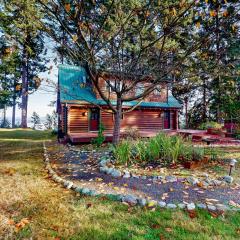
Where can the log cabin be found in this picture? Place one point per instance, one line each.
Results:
(81, 109)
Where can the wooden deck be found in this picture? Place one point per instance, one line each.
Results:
(195, 135)
(89, 136)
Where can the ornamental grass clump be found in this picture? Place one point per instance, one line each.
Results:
(160, 149)
(123, 152)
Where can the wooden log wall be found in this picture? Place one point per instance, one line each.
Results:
(144, 120)
(77, 120)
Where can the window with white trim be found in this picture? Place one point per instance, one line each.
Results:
(139, 89)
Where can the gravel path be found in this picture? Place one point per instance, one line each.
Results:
(82, 168)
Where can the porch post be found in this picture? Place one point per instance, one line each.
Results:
(176, 116)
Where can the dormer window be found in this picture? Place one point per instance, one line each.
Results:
(139, 89)
(157, 91)
(107, 85)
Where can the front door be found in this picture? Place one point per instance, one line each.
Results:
(94, 119)
(166, 119)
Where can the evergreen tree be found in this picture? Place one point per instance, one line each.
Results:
(20, 22)
(48, 122)
(35, 119)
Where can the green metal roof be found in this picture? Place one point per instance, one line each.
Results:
(74, 90)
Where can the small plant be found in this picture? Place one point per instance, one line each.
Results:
(131, 133)
(197, 153)
(122, 152)
(142, 151)
(99, 140)
(211, 124)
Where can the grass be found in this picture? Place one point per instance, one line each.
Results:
(56, 213)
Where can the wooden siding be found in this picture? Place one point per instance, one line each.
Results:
(77, 120)
(141, 119)
(107, 120)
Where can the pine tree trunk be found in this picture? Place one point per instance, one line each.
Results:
(14, 113)
(204, 101)
(117, 122)
(24, 89)
(4, 116)
(14, 106)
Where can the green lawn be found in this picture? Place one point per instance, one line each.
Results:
(52, 212)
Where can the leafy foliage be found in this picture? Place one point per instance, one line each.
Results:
(160, 149)
(99, 140)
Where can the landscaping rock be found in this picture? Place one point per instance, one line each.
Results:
(211, 207)
(217, 182)
(103, 169)
(190, 206)
(162, 204)
(126, 174)
(130, 199)
(116, 173)
(201, 206)
(171, 206)
(109, 170)
(92, 193)
(155, 178)
(192, 180)
(228, 179)
(135, 176)
(70, 184)
(181, 205)
(103, 163)
(85, 191)
(171, 179)
(205, 184)
(205, 175)
(142, 201)
(222, 207)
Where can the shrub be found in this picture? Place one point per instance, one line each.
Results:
(211, 124)
(99, 140)
(131, 133)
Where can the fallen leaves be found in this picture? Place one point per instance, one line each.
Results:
(192, 213)
(20, 225)
(10, 171)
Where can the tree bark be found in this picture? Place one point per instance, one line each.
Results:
(204, 101)
(24, 89)
(117, 122)
(14, 113)
(14, 106)
(4, 116)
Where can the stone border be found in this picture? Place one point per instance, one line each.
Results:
(191, 180)
(129, 199)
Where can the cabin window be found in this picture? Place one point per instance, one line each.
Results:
(107, 87)
(157, 91)
(139, 89)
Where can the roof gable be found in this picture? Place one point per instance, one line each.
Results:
(75, 88)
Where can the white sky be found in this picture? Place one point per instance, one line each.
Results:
(39, 101)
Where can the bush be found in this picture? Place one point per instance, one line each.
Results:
(131, 133)
(211, 124)
(99, 140)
